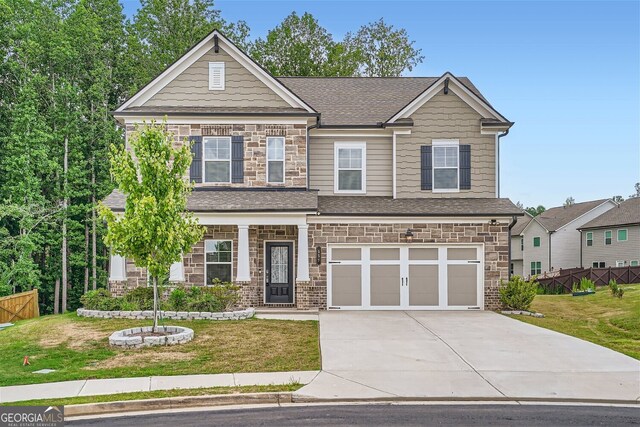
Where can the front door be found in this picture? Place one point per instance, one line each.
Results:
(279, 272)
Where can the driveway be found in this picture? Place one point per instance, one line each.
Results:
(464, 355)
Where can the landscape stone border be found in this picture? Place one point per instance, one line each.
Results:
(171, 315)
(124, 338)
(523, 313)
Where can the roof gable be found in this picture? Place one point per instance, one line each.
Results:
(556, 218)
(248, 74)
(521, 223)
(625, 213)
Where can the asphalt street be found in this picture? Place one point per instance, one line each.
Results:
(386, 415)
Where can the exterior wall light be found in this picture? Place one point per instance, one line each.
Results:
(408, 235)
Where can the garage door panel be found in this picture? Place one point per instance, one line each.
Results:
(346, 285)
(385, 285)
(462, 285)
(423, 285)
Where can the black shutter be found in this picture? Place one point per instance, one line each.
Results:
(195, 172)
(237, 159)
(426, 181)
(465, 167)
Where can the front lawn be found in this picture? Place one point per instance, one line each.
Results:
(599, 318)
(78, 348)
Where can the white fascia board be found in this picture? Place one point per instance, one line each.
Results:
(252, 218)
(337, 219)
(203, 120)
(591, 210)
(484, 109)
(196, 53)
(531, 222)
(352, 133)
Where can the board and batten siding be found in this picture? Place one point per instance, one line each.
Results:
(378, 164)
(616, 251)
(532, 253)
(446, 117)
(565, 242)
(191, 87)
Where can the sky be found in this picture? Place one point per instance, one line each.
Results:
(567, 73)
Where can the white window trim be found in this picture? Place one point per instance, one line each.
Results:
(283, 160)
(604, 237)
(444, 143)
(204, 160)
(618, 235)
(587, 239)
(206, 264)
(619, 263)
(336, 147)
(535, 268)
(221, 66)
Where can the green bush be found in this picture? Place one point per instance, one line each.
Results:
(616, 290)
(140, 298)
(100, 299)
(219, 297)
(584, 285)
(517, 293)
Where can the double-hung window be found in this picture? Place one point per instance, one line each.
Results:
(218, 260)
(446, 165)
(589, 238)
(350, 167)
(622, 235)
(608, 237)
(217, 159)
(522, 243)
(536, 242)
(536, 267)
(275, 160)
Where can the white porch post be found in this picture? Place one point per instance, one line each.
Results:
(243, 274)
(303, 253)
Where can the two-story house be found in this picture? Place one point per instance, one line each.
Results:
(350, 193)
(613, 238)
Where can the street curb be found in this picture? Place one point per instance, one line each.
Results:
(175, 403)
(89, 409)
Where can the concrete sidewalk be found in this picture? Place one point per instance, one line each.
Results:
(129, 385)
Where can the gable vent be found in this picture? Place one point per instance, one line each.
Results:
(216, 75)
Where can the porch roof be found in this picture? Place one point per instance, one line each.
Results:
(238, 200)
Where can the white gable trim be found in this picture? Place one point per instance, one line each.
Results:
(608, 201)
(531, 222)
(144, 94)
(455, 86)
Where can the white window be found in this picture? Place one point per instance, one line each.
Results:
(446, 177)
(621, 263)
(622, 235)
(275, 159)
(216, 75)
(634, 263)
(607, 237)
(350, 167)
(217, 159)
(598, 264)
(218, 260)
(589, 238)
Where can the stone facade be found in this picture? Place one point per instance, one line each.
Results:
(255, 150)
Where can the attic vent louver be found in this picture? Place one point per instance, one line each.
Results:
(216, 75)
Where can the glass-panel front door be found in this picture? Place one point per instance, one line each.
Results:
(279, 272)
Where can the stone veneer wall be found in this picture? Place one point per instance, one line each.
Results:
(255, 150)
(494, 237)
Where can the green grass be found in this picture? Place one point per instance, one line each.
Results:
(78, 348)
(157, 394)
(599, 318)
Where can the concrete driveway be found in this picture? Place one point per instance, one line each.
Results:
(464, 355)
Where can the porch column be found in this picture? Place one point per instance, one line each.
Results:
(243, 274)
(303, 253)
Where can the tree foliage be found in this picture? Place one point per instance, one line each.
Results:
(535, 211)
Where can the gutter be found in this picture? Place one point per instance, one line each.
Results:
(514, 220)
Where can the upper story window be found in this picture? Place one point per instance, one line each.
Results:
(607, 237)
(522, 243)
(350, 167)
(622, 235)
(217, 159)
(216, 75)
(446, 165)
(275, 160)
(589, 238)
(536, 242)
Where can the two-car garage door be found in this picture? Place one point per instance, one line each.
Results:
(405, 277)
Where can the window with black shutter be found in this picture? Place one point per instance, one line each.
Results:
(195, 172)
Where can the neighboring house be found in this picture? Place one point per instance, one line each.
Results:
(613, 238)
(551, 240)
(517, 246)
(351, 193)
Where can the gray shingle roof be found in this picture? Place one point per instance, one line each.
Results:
(554, 218)
(626, 213)
(361, 100)
(523, 221)
(224, 200)
(387, 206)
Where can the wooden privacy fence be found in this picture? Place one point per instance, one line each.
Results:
(19, 306)
(600, 276)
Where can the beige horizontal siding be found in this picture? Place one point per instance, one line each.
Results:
(379, 164)
(628, 250)
(446, 117)
(191, 88)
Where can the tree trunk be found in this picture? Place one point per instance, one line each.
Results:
(65, 202)
(86, 257)
(154, 280)
(56, 298)
(94, 246)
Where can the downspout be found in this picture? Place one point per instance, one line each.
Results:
(514, 219)
(307, 142)
(500, 135)
(550, 233)
(581, 264)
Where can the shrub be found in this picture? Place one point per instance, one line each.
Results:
(219, 297)
(100, 299)
(584, 285)
(517, 293)
(177, 300)
(616, 290)
(141, 298)
(128, 305)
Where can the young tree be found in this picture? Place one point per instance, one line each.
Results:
(535, 211)
(570, 201)
(155, 229)
(617, 199)
(383, 51)
(637, 191)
